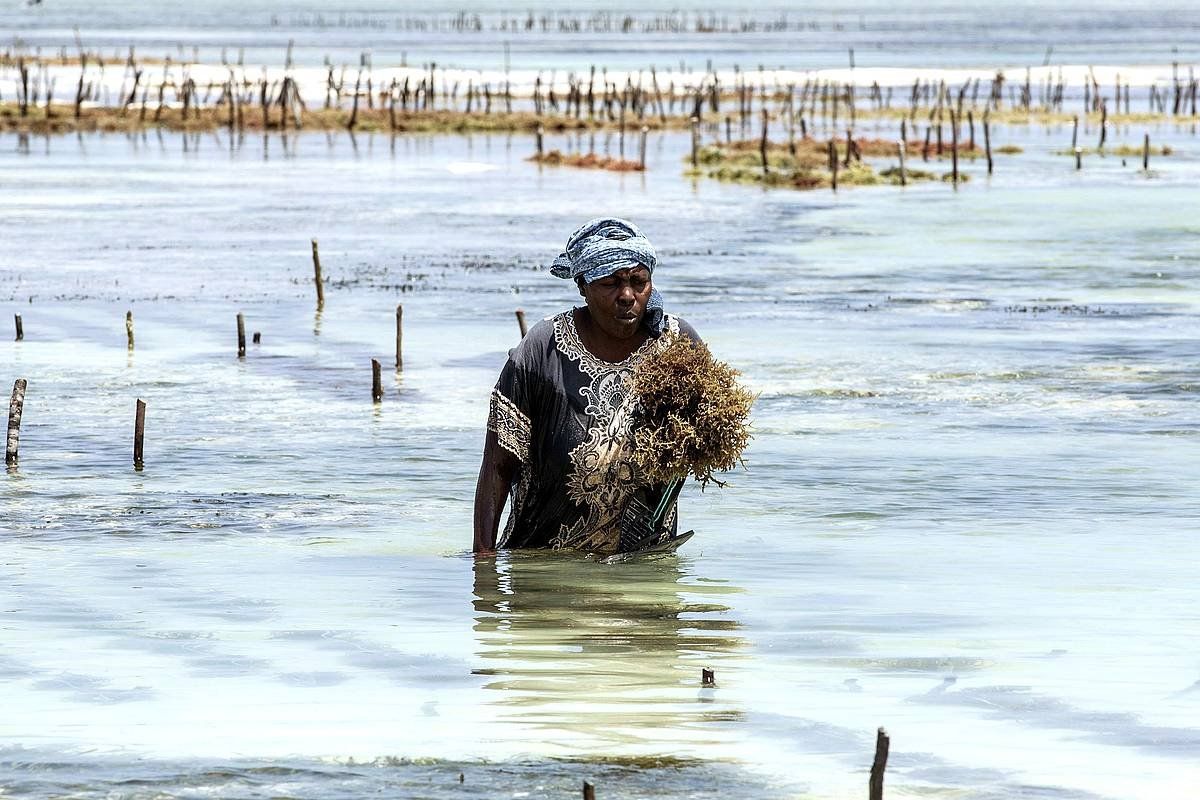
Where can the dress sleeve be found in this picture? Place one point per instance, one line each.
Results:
(509, 416)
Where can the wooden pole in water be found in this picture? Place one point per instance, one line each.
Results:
(139, 435)
(903, 176)
(882, 745)
(708, 677)
(241, 328)
(987, 142)
(15, 407)
(589, 791)
(833, 164)
(376, 381)
(954, 148)
(642, 147)
(1103, 124)
(762, 143)
(20, 327)
(256, 337)
(399, 338)
(541, 132)
(1078, 158)
(1146, 153)
(129, 329)
(695, 142)
(317, 277)
(1075, 132)
(521, 322)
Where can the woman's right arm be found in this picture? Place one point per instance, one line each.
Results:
(496, 475)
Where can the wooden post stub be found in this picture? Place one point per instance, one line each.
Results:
(139, 435)
(1075, 132)
(521, 323)
(399, 338)
(317, 276)
(256, 337)
(1078, 158)
(20, 327)
(589, 791)
(762, 143)
(642, 147)
(954, 148)
(900, 150)
(15, 407)
(695, 142)
(987, 143)
(833, 164)
(708, 677)
(882, 745)
(1146, 153)
(241, 328)
(376, 382)
(541, 132)
(129, 329)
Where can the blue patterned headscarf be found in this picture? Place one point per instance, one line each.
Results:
(603, 246)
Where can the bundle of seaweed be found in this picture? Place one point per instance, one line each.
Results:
(692, 417)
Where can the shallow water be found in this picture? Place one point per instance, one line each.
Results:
(969, 515)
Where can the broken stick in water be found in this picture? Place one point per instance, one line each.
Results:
(317, 276)
(882, 745)
(399, 337)
(139, 435)
(15, 407)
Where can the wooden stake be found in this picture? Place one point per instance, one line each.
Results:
(882, 745)
(241, 325)
(833, 164)
(762, 144)
(317, 277)
(903, 176)
(376, 382)
(707, 677)
(541, 132)
(521, 323)
(256, 338)
(1146, 153)
(954, 148)
(589, 791)
(399, 338)
(1075, 132)
(695, 142)
(139, 435)
(1078, 158)
(642, 147)
(987, 142)
(129, 329)
(15, 407)
(20, 327)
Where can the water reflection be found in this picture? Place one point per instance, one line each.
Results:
(595, 656)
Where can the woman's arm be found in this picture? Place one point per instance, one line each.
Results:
(496, 475)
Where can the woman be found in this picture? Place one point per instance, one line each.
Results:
(560, 426)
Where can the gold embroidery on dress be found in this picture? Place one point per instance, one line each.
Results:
(513, 429)
(602, 475)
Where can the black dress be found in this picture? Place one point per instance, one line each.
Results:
(567, 417)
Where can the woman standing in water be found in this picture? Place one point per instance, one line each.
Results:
(560, 427)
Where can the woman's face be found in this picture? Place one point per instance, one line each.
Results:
(617, 303)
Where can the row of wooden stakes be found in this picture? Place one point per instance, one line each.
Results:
(17, 403)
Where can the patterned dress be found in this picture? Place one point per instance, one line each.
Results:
(567, 417)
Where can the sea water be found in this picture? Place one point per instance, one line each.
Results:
(969, 513)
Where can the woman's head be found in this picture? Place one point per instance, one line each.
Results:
(613, 263)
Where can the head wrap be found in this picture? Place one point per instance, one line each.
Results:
(603, 246)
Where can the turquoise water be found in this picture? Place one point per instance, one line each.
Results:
(969, 514)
